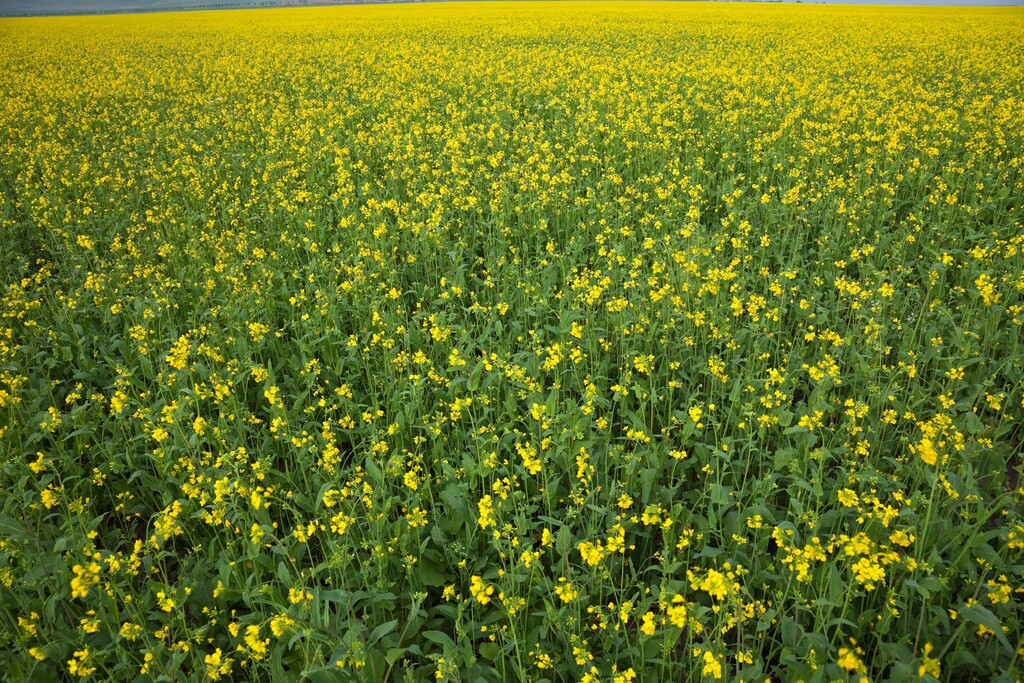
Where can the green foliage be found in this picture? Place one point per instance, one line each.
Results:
(612, 343)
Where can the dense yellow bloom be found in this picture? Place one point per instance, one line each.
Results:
(480, 591)
(930, 666)
(712, 665)
(130, 631)
(868, 572)
(715, 584)
(531, 459)
(177, 357)
(926, 451)
(39, 465)
(257, 647)
(648, 626)
(49, 498)
(677, 612)
(217, 665)
(85, 577)
(280, 624)
(167, 602)
(81, 664)
(486, 514)
(565, 590)
(850, 661)
(592, 553)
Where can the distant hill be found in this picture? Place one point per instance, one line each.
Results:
(39, 7)
(78, 6)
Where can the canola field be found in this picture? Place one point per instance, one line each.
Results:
(513, 342)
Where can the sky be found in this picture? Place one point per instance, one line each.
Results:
(62, 6)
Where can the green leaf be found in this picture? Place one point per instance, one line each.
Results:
(11, 528)
(381, 631)
(982, 616)
(490, 651)
(431, 572)
(647, 479)
(440, 638)
(972, 424)
(474, 378)
(791, 632)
